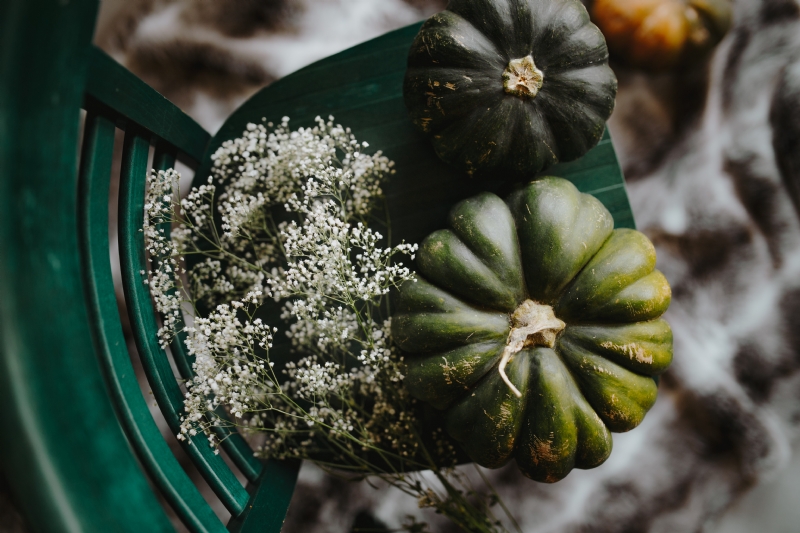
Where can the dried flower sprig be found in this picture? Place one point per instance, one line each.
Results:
(292, 227)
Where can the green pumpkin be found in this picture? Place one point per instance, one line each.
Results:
(534, 326)
(510, 86)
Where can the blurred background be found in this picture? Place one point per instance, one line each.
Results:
(707, 129)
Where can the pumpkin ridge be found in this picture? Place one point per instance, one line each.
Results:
(503, 137)
(593, 447)
(583, 37)
(545, 138)
(442, 389)
(444, 75)
(544, 454)
(642, 347)
(491, 437)
(483, 120)
(467, 305)
(573, 139)
(557, 203)
(645, 299)
(622, 407)
(482, 259)
(449, 264)
(477, 256)
(632, 257)
(524, 30)
(461, 232)
(423, 305)
(436, 54)
(464, 128)
(563, 21)
(565, 81)
(486, 17)
(441, 111)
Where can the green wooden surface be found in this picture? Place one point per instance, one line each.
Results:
(72, 469)
(132, 409)
(124, 95)
(117, 93)
(61, 446)
(155, 361)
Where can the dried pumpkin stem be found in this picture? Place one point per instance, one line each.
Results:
(522, 78)
(532, 324)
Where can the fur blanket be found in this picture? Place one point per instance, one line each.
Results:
(712, 159)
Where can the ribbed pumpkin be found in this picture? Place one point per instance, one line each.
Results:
(534, 326)
(510, 86)
(661, 34)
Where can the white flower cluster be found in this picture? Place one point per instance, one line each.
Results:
(229, 372)
(164, 281)
(263, 168)
(329, 271)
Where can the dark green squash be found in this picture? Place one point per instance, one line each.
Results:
(511, 86)
(534, 326)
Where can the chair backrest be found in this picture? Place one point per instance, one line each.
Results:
(116, 98)
(64, 357)
(73, 416)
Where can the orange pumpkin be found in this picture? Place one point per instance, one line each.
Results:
(661, 34)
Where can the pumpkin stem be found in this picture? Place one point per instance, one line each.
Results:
(522, 78)
(532, 324)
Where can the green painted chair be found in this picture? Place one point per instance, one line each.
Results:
(78, 444)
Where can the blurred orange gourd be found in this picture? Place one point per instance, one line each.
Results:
(661, 34)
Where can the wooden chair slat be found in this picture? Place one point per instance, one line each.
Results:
(143, 320)
(266, 510)
(109, 339)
